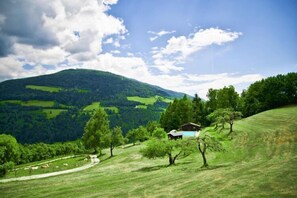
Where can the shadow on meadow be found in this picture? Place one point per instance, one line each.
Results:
(152, 168)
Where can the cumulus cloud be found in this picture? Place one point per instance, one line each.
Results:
(178, 49)
(63, 34)
(159, 34)
(51, 33)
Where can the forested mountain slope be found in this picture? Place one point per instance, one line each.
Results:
(55, 107)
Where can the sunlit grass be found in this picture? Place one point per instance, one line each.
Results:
(44, 88)
(95, 105)
(52, 113)
(260, 161)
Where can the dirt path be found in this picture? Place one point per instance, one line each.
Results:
(94, 161)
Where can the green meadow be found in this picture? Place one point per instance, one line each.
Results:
(147, 101)
(37, 103)
(95, 105)
(260, 160)
(52, 113)
(44, 88)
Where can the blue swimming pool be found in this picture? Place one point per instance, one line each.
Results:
(188, 133)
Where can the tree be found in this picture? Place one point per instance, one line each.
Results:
(177, 149)
(151, 126)
(159, 133)
(222, 116)
(138, 134)
(199, 111)
(206, 142)
(9, 149)
(9, 153)
(230, 116)
(226, 97)
(97, 132)
(170, 119)
(117, 138)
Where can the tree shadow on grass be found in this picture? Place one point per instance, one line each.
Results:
(213, 167)
(198, 168)
(152, 168)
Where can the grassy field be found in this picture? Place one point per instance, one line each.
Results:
(38, 103)
(260, 161)
(95, 105)
(148, 101)
(44, 88)
(52, 113)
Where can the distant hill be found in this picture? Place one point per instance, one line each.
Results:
(55, 107)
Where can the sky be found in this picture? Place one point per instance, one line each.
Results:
(187, 46)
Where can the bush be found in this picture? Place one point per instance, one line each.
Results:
(5, 167)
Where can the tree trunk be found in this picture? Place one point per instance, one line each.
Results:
(202, 151)
(111, 149)
(231, 127)
(171, 159)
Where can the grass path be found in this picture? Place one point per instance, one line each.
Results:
(93, 163)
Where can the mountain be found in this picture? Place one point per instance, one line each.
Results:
(55, 107)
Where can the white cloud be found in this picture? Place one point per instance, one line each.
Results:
(51, 56)
(159, 34)
(81, 28)
(108, 41)
(110, 2)
(89, 18)
(115, 52)
(178, 49)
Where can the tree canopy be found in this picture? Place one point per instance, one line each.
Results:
(97, 132)
(177, 149)
(116, 138)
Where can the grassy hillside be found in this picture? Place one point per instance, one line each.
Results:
(259, 161)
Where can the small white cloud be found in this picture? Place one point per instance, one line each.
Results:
(115, 52)
(110, 2)
(108, 41)
(153, 38)
(159, 34)
(178, 49)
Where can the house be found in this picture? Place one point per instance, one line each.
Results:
(173, 135)
(190, 127)
(187, 130)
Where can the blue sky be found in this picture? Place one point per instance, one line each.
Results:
(182, 45)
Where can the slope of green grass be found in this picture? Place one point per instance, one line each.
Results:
(259, 161)
(145, 101)
(95, 105)
(52, 113)
(44, 88)
(38, 103)
(148, 101)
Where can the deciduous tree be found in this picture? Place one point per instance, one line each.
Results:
(173, 149)
(117, 138)
(97, 132)
(206, 142)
